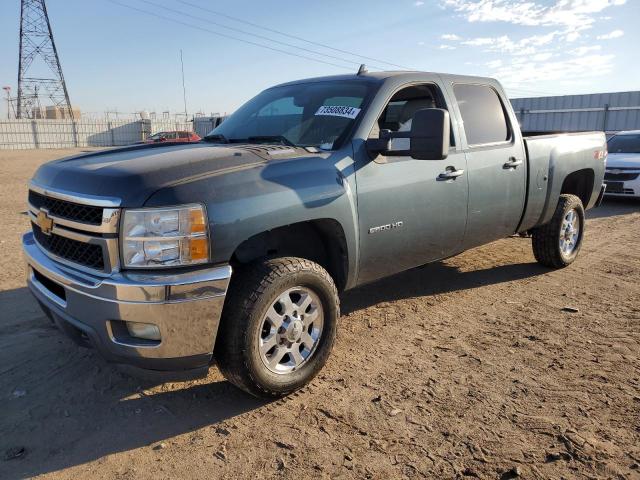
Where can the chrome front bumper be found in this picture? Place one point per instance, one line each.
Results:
(630, 189)
(185, 306)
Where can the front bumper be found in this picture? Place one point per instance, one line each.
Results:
(185, 306)
(627, 188)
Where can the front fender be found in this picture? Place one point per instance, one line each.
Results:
(242, 204)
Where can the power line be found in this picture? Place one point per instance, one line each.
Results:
(224, 35)
(318, 44)
(261, 37)
(516, 90)
(286, 52)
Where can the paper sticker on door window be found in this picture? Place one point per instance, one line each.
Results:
(338, 111)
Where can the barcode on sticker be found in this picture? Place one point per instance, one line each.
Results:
(338, 111)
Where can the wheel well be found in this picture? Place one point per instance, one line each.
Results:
(579, 183)
(322, 241)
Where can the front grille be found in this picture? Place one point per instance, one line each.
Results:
(621, 177)
(87, 254)
(69, 210)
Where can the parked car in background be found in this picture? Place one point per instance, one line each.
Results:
(622, 175)
(177, 136)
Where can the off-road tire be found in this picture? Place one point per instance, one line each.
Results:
(546, 239)
(253, 289)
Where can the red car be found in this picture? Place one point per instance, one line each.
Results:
(178, 136)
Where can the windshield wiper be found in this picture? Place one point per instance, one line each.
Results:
(216, 138)
(266, 139)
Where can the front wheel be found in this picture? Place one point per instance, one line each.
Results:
(278, 327)
(557, 243)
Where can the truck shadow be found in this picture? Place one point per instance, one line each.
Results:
(432, 279)
(614, 207)
(65, 406)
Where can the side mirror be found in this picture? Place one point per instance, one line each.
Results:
(428, 139)
(430, 134)
(376, 146)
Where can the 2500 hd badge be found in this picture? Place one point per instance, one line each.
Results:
(388, 226)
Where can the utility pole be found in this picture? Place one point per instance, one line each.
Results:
(36, 42)
(184, 90)
(8, 90)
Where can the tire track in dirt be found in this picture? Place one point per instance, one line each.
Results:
(467, 367)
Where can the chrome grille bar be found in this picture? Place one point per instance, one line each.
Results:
(103, 235)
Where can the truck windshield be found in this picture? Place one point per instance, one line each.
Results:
(624, 144)
(319, 114)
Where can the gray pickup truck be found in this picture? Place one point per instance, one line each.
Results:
(168, 256)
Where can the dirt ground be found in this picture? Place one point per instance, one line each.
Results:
(464, 368)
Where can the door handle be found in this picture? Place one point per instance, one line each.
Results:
(450, 173)
(512, 163)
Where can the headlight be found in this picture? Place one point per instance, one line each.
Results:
(164, 237)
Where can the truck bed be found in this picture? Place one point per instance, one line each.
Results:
(551, 160)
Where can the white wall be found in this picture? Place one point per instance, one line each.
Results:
(24, 134)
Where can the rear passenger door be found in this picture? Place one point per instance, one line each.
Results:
(495, 163)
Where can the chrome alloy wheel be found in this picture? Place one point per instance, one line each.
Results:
(291, 330)
(569, 232)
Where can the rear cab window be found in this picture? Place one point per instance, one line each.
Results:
(483, 114)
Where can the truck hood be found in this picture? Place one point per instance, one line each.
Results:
(626, 160)
(134, 173)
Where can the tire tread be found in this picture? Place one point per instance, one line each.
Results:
(544, 239)
(248, 286)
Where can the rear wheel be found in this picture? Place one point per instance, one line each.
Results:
(557, 243)
(279, 326)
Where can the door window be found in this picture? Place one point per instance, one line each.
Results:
(482, 113)
(398, 114)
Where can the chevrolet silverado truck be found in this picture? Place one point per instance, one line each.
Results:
(168, 256)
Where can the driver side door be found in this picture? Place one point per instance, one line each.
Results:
(408, 214)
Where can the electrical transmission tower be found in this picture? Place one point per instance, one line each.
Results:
(37, 45)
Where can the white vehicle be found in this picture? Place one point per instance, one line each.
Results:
(622, 175)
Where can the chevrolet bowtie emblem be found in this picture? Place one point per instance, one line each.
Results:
(44, 222)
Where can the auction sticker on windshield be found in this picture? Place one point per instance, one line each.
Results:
(338, 111)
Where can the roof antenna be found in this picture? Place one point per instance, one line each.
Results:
(362, 70)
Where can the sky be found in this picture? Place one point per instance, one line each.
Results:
(124, 55)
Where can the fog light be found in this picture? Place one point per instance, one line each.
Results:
(147, 331)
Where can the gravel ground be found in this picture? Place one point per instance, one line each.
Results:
(467, 367)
